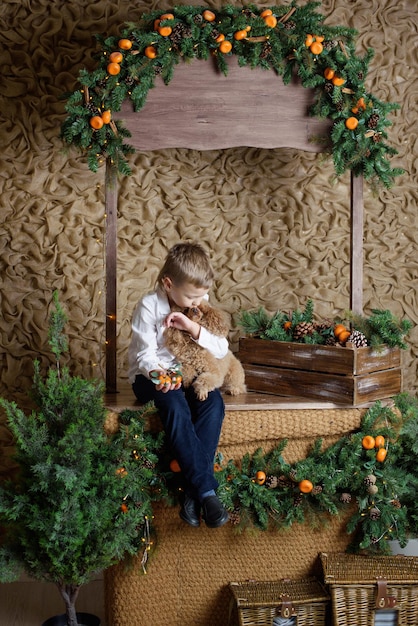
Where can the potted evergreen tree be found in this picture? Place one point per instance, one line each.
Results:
(82, 498)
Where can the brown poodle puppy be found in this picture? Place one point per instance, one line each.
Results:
(198, 366)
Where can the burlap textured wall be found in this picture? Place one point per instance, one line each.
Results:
(276, 223)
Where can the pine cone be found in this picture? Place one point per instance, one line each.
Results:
(329, 45)
(357, 339)
(345, 498)
(329, 87)
(374, 513)
(297, 500)
(317, 490)
(180, 31)
(283, 481)
(290, 25)
(302, 329)
(235, 516)
(92, 108)
(370, 480)
(396, 503)
(331, 341)
(265, 51)
(249, 14)
(271, 482)
(377, 137)
(373, 120)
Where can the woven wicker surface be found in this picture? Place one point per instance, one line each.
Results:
(268, 593)
(353, 587)
(257, 603)
(343, 569)
(190, 570)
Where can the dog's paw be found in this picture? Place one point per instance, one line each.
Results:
(234, 390)
(202, 388)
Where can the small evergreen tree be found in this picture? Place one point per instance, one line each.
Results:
(82, 498)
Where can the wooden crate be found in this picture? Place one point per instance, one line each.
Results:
(331, 373)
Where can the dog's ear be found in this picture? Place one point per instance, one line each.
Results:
(216, 321)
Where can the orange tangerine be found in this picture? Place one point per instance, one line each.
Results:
(305, 486)
(209, 16)
(113, 69)
(240, 34)
(316, 47)
(167, 16)
(319, 38)
(96, 122)
(266, 13)
(106, 116)
(225, 46)
(339, 328)
(220, 37)
(342, 337)
(381, 455)
(270, 21)
(329, 73)
(368, 442)
(351, 123)
(174, 466)
(338, 81)
(116, 57)
(260, 477)
(150, 52)
(309, 40)
(379, 441)
(125, 44)
(165, 31)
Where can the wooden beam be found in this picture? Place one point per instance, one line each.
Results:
(111, 210)
(357, 228)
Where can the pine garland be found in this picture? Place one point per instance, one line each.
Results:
(284, 41)
(262, 491)
(381, 328)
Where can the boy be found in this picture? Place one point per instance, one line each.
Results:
(192, 426)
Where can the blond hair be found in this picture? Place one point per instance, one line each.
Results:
(187, 263)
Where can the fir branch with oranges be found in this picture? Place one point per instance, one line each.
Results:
(287, 39)
(350, 330)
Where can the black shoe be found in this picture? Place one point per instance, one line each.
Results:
(190, 511)
(213, 512)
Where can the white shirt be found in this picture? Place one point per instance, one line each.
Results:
(147, 351)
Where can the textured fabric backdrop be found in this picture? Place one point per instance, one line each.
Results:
(276, 222)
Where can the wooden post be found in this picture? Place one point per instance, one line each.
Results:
(356, 260)
(111, 203)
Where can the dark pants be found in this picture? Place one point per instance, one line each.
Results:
(192, 427)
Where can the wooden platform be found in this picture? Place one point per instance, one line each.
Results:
(251, 401)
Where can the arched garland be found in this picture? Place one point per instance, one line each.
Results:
(373, 469)
(285, 39)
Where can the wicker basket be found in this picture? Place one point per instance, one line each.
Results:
(258, 602)
(364, 587)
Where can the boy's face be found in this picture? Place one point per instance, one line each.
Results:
(184, 295)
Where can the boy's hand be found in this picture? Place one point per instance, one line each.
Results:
(176, 319)
(164, 381)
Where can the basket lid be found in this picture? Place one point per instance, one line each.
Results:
(253, 593)
(341, 568)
